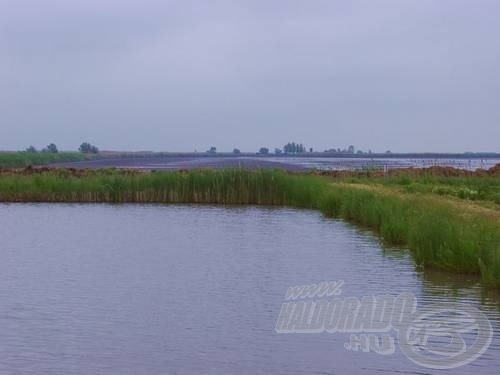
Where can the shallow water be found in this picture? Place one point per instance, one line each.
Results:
(293, 163)
(151, 289)
(326, 163)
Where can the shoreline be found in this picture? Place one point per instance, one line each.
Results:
(447, 229)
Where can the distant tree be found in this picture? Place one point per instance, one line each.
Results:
(388, 152)
(88, 148)
(278, 151)
(264, 151)
(350, 149)
(293, 148)
(31, 149)
(51, 148)
(310, 149)
(236, 151)
(359, 152)
(212, 150)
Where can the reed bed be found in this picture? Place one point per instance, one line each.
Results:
(262, 187)
(439, 232)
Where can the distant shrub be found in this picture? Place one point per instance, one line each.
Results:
(466, 193)
(88, 148)
(51, 148)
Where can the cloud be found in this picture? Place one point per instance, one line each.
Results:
(416, 75)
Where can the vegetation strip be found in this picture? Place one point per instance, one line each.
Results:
(446, 233)
(21, 159)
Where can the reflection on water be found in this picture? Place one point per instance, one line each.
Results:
(466, 288)
(131, 289)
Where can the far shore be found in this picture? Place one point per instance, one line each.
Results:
(290, 162)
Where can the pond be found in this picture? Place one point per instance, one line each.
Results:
(155, 289)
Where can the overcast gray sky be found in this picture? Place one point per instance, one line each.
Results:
(405, 75)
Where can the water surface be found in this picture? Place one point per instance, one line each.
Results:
(152, 289)
(292, 163)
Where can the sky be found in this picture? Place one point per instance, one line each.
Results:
(400, 75)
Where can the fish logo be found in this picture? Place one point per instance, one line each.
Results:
(445, 335)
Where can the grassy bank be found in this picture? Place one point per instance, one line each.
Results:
(23, 159)
(470, 188)
(442, 231)
(482, 186)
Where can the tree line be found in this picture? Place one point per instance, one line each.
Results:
(299, 148)
(85, 148)
(291, 148)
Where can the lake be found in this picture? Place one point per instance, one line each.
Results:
(156, 289)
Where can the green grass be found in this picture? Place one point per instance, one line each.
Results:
(473, 188)
(441, 232)
(22, 159)
(263, 187)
